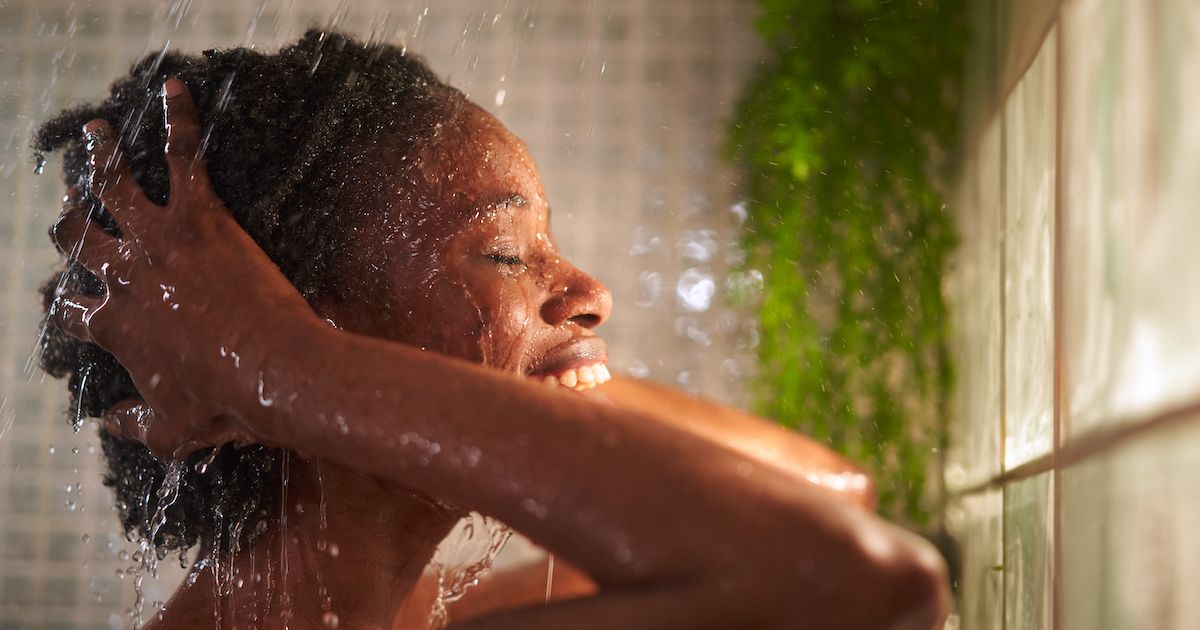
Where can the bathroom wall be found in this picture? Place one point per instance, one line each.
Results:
(622, 102)
(1076, 458)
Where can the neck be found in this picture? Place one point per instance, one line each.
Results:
(342, 550)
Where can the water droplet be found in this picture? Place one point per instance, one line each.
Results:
(202, 465)
(534, 508)
(330, 619)
(649, 288)
(695, 290)
(745, 469)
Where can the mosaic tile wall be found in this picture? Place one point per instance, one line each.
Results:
(1077, 441)
(622, 102)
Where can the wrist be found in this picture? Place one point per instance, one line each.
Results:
(278, 360)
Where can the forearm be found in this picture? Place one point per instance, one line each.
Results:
(636, 504)
(551, 464)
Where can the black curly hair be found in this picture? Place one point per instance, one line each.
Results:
(277, 130)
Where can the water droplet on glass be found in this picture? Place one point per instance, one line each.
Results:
(330, 619)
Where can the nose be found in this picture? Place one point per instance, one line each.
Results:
(579, 299)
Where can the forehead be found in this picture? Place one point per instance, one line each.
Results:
(468, 167)
(477, 163)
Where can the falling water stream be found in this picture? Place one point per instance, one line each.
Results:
(464, 557)
(147, 555)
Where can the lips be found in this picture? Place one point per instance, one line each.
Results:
(578, 364)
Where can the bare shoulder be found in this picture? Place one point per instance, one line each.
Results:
(760, 440)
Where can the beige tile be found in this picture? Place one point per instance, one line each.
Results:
(1131, 279)
(978, 525)
(1129, 548)
(1030, 164)
(1029, 553)
(974, 456)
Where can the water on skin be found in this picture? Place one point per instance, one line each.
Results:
(456, 575)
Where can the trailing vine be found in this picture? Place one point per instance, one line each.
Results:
(844, 136)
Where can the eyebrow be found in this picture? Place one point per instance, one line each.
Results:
(496, 204)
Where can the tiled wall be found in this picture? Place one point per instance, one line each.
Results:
(622, 102)
(1075, 466)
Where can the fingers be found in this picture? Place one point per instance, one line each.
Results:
(134, 419)
(131, 418)
(72, 314)
(183, 136)
(80, 239)
(112, 181)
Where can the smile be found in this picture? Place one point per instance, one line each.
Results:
(577, 378)
(579, 364)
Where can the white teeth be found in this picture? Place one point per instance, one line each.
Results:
(580, 378)
(586, 376)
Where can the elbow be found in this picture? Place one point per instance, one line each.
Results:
(860, 574)
(915, 582)
(867, 493)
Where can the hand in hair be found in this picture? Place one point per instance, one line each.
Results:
(163, 313)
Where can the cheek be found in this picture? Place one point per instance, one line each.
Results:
(509, 325)
(453, 322)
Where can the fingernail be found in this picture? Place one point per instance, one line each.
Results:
(94, 130)
(173, 88)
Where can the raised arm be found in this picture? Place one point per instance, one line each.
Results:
(675, 529)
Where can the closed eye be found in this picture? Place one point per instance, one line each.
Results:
(505, 259)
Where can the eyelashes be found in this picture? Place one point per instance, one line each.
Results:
(505, 259)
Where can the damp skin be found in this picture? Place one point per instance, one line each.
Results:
(676, 526)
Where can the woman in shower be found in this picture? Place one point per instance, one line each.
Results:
(351, 324)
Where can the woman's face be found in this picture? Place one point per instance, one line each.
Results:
(450, 250)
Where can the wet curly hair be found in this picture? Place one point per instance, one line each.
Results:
(278, 130)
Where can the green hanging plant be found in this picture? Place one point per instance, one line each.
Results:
(843, 136)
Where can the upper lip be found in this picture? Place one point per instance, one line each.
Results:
(575, 352)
